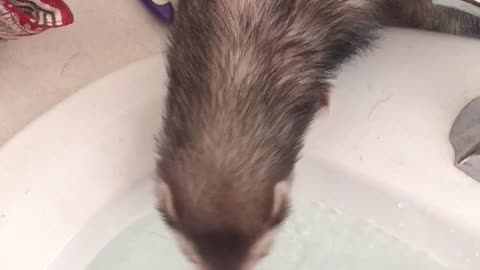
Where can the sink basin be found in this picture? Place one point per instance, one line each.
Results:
(79, 175)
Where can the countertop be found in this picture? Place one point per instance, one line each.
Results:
(38, 72)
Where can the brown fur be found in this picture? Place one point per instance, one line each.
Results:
(246, 79)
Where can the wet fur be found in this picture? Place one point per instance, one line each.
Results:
(246, 79)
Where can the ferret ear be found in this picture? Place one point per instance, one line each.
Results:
(281, 200)
(165, 199)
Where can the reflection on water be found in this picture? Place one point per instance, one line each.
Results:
(314, 238)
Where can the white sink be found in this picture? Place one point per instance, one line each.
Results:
(382, 155)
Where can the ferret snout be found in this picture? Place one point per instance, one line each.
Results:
(215, 243)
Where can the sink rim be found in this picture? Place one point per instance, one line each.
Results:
(26, 199)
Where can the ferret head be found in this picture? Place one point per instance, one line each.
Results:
(222, 220)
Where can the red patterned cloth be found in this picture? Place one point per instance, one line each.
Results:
(20, 18)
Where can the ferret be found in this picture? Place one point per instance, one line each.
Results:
(246, 78)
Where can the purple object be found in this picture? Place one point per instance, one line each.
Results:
(163, 11)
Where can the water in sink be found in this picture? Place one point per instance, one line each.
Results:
(313, 238)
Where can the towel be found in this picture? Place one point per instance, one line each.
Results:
(20, 18)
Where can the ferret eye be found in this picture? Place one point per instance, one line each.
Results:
(166, 218)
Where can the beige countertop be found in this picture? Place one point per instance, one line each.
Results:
(38, 72)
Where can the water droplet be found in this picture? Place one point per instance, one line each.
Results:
(403, 205)
(305, 233)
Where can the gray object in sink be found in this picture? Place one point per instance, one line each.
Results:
(465, 138)
(469, 6)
